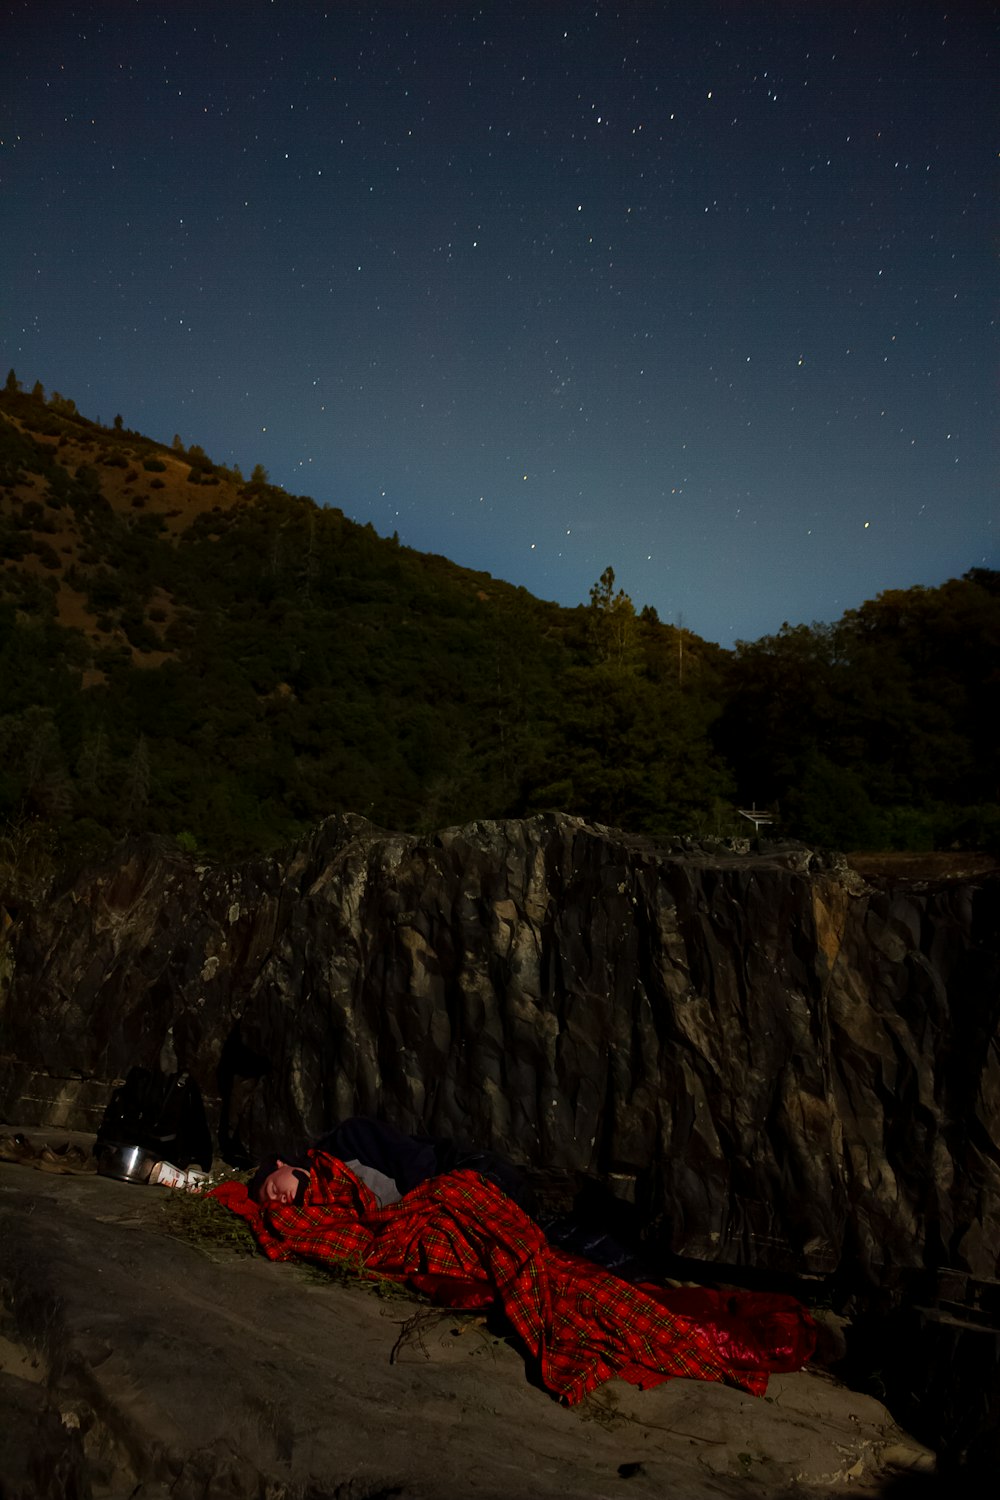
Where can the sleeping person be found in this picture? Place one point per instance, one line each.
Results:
(387, 1161)
(392, 1164)
(454, 1233)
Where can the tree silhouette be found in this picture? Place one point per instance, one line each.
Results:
(612, 624)
(136, 785)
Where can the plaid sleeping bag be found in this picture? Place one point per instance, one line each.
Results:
(461, 1241)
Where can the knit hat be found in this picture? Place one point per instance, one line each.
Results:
(300, 1164)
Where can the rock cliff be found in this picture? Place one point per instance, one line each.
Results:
(782, 1066)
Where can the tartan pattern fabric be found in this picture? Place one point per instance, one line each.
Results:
(458, 1239)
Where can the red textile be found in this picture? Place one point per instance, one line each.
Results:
(460, 1240)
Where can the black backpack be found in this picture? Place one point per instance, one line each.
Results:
(161, 1112)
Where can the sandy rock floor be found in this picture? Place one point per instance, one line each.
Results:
(134, 1363)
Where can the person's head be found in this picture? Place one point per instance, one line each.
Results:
(277, 1183)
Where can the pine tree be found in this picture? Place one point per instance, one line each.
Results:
(94, 764)
(612, 627)
(46, 783)
(136, 785)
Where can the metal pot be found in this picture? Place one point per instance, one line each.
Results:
(129, 1163)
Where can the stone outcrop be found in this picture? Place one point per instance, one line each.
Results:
(133, 1363)
(783, 1066)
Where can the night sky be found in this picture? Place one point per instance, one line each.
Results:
(704, 291)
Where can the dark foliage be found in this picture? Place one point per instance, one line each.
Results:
(224, 663)
(879, 731)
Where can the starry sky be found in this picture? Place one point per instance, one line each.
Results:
(700, 289)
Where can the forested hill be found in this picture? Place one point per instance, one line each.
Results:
(186, 652)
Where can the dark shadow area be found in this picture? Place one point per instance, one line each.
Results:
(240, 1070)
(937, 1369)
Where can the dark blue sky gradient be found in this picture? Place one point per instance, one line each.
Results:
(705, 291)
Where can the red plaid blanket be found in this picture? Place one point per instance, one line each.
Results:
(463, 1242)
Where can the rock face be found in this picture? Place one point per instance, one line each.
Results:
(784, 1067)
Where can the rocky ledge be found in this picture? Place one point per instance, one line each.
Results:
(136, 1363)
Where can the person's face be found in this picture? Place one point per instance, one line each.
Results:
(281, 1185)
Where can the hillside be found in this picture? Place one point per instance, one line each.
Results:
(199, 656)
(217, 661)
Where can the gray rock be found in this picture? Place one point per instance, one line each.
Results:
(134, 1364)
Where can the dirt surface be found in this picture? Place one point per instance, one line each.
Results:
(134, 1363)
(927, 867)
